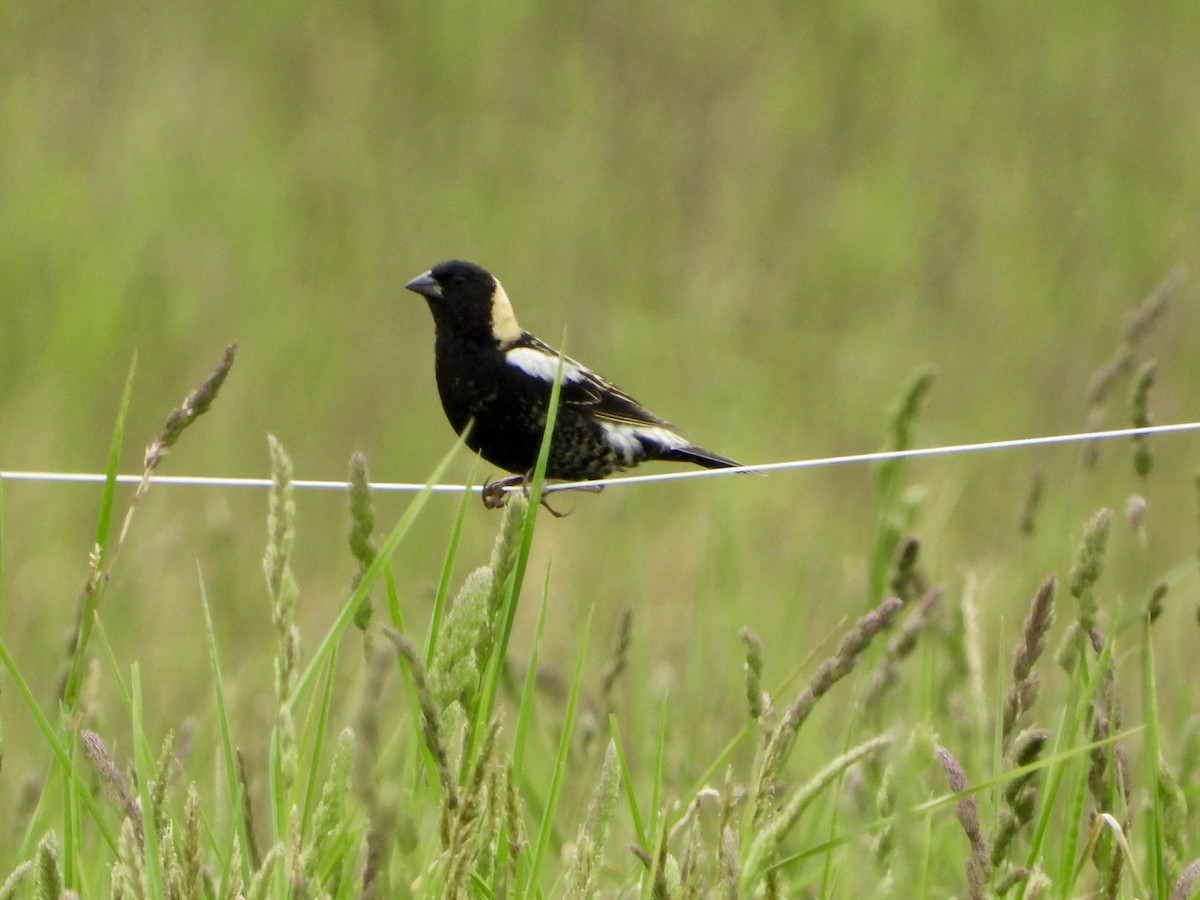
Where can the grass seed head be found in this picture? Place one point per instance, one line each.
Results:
(507, 546)
(979, 863)
(832, 670)
(362, 512)
(729, 866)
(514, 824)
(1013, 877)
(464, 642)
(110, 776)
(260, 883)
(281, 537)
(49, 884)
(194, 405)
(1089, 559)
(430, 721)
(1028, 746)
(1033, 503)
(907, 581)
(1023, 691)
(905, 412)
(362, 526)
(330, 817)
(620, 659)
(1189, 880)
(900, 648)
(1135, 511)
(468, 826)
(1139, 322)
(127, 875)
(593, 833)
(771, 832)
(1143, 459)
(757, 698)
(1154, 606)
(1089, 563)
(191, 851)
(8, 890)
(164, 772)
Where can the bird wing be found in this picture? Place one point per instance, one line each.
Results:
(581, 388)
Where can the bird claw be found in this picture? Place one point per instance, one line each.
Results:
(495, 493)
(554, 512)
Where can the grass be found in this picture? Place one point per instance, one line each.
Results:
(477, 782)
(772, 228)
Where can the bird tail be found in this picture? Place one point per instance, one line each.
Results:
(698, 456)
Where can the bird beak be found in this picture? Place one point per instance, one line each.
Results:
(425, 285)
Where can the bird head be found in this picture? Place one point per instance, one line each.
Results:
(468, 302)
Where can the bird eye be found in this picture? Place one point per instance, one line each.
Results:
(458, 280)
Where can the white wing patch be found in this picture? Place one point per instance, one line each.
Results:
(542, 365)
(626, 440)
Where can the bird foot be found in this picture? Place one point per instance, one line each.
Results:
(495, 493)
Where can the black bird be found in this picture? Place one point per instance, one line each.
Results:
(492, 372)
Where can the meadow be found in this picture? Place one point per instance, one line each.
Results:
(798, 231)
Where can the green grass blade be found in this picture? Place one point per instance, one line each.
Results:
(144, 764)
(657, 826)
(56, 746)
(232, 782)
(1, 602)
(279, 799)
(560, 766)
(394, 612)
(72, 788)
(1, 584)
(96, 586)
(660, 755)
(104, 521)
(1083, 686)
(524, 716)
(496, 663)
(626, 779)
(350, 607)
(528, 689)
(443, 591)
(393, 598)
(1156, 863)
(321, 724)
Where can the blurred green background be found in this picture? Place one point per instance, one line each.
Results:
(760, 219)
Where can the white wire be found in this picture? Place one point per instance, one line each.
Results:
(218, 481)
(879, 456)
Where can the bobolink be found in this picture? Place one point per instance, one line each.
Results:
(495, 374)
